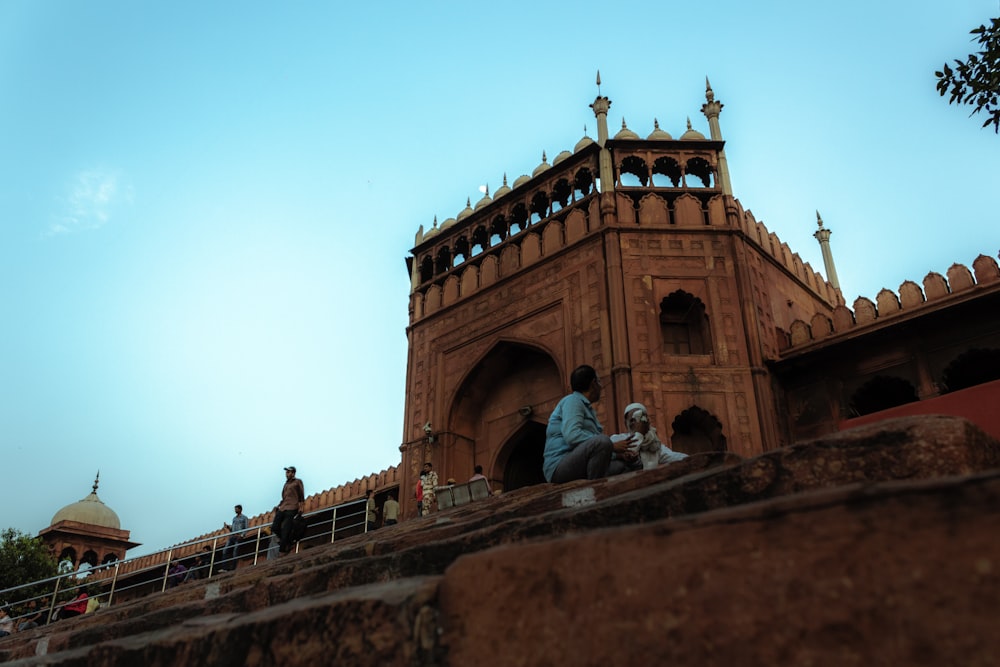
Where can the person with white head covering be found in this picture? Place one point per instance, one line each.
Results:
(644, 439)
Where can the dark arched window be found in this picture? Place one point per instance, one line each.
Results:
(972, 367)
(881, 393)
(699, 167)
(666, 173)
(443, 261)
(684, 325)
(426, 269)
(583, 183)
(69, 553)
(633, 172)
(696, 430)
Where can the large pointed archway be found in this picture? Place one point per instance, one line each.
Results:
(500, 409)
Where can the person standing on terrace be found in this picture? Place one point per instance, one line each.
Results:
(240, 524)
(429, 482)
(293, 497)
(390, 511)
(371, 512)
(479, 475)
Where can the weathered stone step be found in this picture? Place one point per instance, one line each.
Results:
(911, 448)
(394, 623)
(900, 573)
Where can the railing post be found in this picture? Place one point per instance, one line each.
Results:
(114, 580)
(52, 605)
(333, 526)
(166, 569)
(211, 561)
(256, 548)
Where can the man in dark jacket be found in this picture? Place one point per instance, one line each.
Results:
(293, 498)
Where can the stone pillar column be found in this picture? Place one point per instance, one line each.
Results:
(712, 109)
(823, 236)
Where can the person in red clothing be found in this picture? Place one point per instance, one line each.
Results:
(75, 607)
(420, 496)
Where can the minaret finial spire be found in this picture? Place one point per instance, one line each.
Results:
(823, 236)
(711, 108)
(97, 479)
(601, 106)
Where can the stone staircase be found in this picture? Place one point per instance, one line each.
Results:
(876, 546)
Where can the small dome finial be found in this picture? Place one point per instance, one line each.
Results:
(819, 220)
(689, 122)
(97, 479)
(505, 179)
(544, 158)
(656, 124)
(598, 83)
(709, 93)
(435, 223)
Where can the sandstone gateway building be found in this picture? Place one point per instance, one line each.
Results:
(634, 256)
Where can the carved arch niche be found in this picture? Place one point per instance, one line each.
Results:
(696, 430)
(687, 211)
(653, 211)
(684, 325)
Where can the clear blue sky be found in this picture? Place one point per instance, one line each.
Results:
(205, 207)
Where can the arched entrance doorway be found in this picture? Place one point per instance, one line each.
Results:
(500, 409)
(519, 463)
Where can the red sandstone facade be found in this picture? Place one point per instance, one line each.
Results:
(632, 255)
(629, 255)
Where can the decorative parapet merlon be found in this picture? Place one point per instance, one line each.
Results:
(758, 234)
(937, 289)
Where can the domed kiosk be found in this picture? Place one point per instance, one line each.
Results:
(87, 531)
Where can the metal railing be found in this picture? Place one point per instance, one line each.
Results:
(48, 598)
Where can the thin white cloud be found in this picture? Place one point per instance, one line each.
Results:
(93, 196)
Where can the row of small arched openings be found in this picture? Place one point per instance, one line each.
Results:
(971, 368)
(89, 557)
(515, 220)
(666, 172)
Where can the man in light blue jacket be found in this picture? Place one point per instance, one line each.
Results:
(575, 444)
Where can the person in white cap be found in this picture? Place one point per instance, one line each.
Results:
(643, 438)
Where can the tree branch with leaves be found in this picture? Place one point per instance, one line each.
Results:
(976, 81)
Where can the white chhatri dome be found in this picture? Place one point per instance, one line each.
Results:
(91, 510)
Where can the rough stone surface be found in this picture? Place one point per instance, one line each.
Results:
(876, 546)
(902, 573)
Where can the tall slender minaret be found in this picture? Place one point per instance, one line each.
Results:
(600, 107)
(712, 109)
(823, 236)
